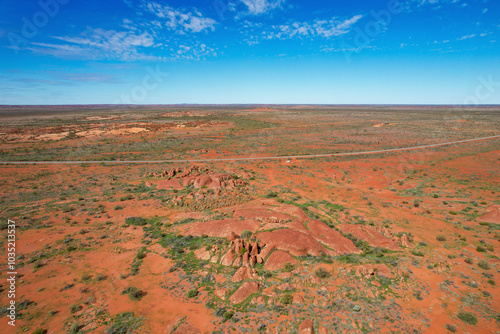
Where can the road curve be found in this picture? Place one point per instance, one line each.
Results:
(250, 158)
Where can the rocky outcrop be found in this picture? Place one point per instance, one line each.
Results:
(375, 236)
(244, 273)
(277, 260)
(331, 238)
(369, 271)
(245, 290)
(306, 327)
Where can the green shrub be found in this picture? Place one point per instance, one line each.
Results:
(40, 331)
(467, 317)
(480, 249)
(136, 221)
(192, 293)
(288, 267)
(118, 207)
(246, 234)
(134, 293)
(286, 299)
(271, 194)
(322, 273)
(417, 252)
(228, 315)
(74, 308)
(469, 260)
(451, 328)
(124, 323)
(453, 213)
(483, 265)
(440, 237)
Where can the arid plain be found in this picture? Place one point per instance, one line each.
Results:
(395, 242)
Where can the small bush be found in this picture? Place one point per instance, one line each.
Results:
(74, 308)
(467, 317)
(483, 265)
(435, 195)
(118, 207)
(134, 293)
(192, 293)
(136, 221)
(40, 331)
(451, 328)
(469, 260)
(480, 249)
(228, 315)
(440, 237)
(286, 299)
(288, 267)
(322, 273)
(417, 252)
(101, 277)
(246, 234)
(453, 213)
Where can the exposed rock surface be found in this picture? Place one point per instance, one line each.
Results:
(375, 238)
(306, 327)
(244, 291)
(278, 259)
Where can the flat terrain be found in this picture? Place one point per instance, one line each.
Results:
(395, 242)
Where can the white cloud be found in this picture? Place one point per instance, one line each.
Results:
(258, 7)
(466, 37)
(318, 28)
(180, 21)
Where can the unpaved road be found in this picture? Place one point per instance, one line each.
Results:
(252, 158)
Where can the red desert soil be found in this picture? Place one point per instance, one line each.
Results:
(400, 242)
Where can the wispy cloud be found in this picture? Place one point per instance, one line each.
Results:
(98, 44)
(181, 21)
(466, 37)
(318, 28)
(258, 7)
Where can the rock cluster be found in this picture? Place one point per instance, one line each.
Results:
(243, 253)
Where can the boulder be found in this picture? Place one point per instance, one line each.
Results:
(306, 327)
(278, 259)
(244, 291)
(244, 273)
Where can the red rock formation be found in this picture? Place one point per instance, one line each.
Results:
(244, 273)
(278, 259)
(244, 291)
(306, 327)
(331, 238)
(372, 235)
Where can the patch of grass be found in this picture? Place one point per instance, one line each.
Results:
(467, 317)
(286, 299)
(469, 260)
(124, 323)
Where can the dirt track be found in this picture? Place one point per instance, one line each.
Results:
(254, 158)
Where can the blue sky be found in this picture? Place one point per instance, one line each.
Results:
(250, 51)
